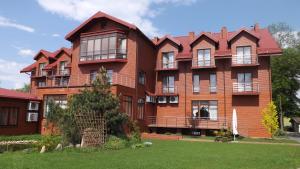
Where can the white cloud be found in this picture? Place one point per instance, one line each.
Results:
(55, 35)
(26, 52)
(137, 12)
(5, 22)
(10, 76)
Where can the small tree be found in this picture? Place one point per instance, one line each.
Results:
(97, 98)
(270, 118)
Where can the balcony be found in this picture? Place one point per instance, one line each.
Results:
(40, 74)
(116, 55)
(246, 60)
(65, 72)
(186, 122)
(161, 66)
(203, 64)
(245, 88)
(166, 91)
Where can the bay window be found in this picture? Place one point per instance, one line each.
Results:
(110, 46)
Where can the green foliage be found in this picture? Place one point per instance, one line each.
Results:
(223, 135)
(21, 137)
(270, 118)
(97, 98)
(285, 81)
(50, 142)
(115, 143)
(135, 132)
(25, 88)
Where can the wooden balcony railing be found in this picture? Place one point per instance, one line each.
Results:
(245, 88)
(186, 122)
(166, 90)
(167, 65)
(245, 60)
(197, 64)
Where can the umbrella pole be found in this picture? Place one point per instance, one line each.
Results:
(234, 137)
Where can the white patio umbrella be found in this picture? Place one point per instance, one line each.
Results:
(234, 124)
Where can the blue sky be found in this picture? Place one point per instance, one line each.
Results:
(30, 25)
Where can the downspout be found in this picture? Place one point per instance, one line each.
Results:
(185, 69)
(224, 88)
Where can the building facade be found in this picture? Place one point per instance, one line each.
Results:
(19, 113)
(185, 83)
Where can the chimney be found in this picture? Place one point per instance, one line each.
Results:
(192, 35)
(156, 39)
(224, 32)
(256, 27)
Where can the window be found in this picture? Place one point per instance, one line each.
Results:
(42, 83)
(244, 82)
(168, 84)
(213, 83)
(205, 109)
(61, 81)
(196, 83)
(109, 74)
(93, 75)
(9, 116)
(61, 100)
(127, 105)
(142, 78)
(243, 55)
(204, 57)
(109, 46)
(141, 109)
(168, 60)
(62, 68)
(41, 71)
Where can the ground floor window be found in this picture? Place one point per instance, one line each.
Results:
(61, 100)
(127, 105)
(141, 109)
(9, 116)
(205, 109)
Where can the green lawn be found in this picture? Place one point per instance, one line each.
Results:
(163, 154)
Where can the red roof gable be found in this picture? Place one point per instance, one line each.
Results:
(168, 37)
(28, 68)
(47, 54)
(235, 34)
(98, 15)
(204, 34)
(6, 93)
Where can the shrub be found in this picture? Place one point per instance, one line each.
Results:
(223, 135)
(49, 141)
(135, 136)
(270, 118)
(115, 143)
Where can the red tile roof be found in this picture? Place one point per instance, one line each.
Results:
(208, 35)
(98, 15)
(266, 43)
(168, 37)
(6, 93)
(47, 54)
(29, 68)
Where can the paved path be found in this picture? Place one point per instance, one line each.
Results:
(294, 136)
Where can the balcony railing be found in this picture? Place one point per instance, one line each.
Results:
(244, 60)
(245, 88)
(103, 55)
(187, 122)
(166, 90)
(203, 63)
(65, 72)
(166, 65)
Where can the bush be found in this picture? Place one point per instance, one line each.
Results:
(36, 137)
(223, 135)
(135, 136)
(16, 147)
(49, 141)
(115, 143)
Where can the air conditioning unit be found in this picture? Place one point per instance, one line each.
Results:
(173, 99)
(150, 99)
(162, 99)
(32, 117)
(33, 106)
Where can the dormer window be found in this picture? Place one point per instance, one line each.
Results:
(204, 57)
(62, 68)
(41, 71)
(110, 46)
(168, 60)
(243, 55)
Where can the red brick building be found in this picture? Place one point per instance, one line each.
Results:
(19, 113)
(183, 83)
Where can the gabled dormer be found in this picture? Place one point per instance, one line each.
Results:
(203, 48)
(243, 45)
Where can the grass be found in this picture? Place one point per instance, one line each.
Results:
(162, 155)
(21, 137)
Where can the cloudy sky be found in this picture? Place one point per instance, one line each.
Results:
(27, 26)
